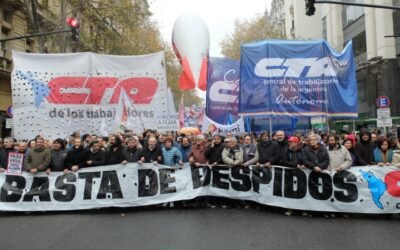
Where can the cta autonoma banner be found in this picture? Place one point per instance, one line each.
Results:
(357, 190)
(297, 78)
(56, 94)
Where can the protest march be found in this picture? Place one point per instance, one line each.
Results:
(99, 131)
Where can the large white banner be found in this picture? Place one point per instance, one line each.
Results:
(357, 190)
(56, 94)
(209, 126)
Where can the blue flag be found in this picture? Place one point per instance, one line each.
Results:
(297, 78)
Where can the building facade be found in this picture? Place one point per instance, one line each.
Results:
(376, 53)
(99, 23)
(289, 20)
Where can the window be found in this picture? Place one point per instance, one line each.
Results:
(362, 91)
(359, 44)
(351, 13)
(324, 32)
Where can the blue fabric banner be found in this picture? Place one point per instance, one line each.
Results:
(297, 78)
(222, 100)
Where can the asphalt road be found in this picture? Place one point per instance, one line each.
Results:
(199, 228)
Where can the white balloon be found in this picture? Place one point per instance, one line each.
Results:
(191, 41)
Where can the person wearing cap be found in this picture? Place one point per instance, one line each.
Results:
(339, 157)
(294, 155)
(315, 155)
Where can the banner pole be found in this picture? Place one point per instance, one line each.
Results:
(270, 126)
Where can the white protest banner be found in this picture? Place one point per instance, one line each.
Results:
(56, 94)
(216, 128)
(356, 190)
(15, 162)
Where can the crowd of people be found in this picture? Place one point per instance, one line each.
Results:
(315, 151)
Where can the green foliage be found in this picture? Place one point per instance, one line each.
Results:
(246, 31)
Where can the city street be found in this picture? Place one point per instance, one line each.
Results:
(195, 229)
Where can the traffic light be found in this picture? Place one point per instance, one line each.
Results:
(73, 23)
(310, 8)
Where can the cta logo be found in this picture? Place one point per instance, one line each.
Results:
(101, 90)
(294, 67)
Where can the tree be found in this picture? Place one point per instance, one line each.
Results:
(173, 73)
(246, 31)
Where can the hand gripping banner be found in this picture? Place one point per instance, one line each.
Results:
(356, 190)
(297, 78)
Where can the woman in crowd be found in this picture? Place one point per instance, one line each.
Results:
(348, 143)
(171, 154)
(383, 154)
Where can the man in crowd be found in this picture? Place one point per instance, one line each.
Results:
(282, 145)
(315, 155)
(58, 155)
(23, 148)
(268, 152)
(76, 157)
(131, 153)
(8, 148)
(364, 149)
(294, 155)
(214, 152)
(233, 154)
(114, 151)
(39, 158)
(97, 155)
(339, 157)
(249, 151)
(152, 152)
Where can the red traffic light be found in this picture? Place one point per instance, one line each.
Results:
(73, 22)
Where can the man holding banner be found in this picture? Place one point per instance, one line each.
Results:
(4, 153)
(39, 158)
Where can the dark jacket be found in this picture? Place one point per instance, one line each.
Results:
(293, 158)
(98, 158)
(76, 156)
(58, 160)
(114, 157)
(131, 154)
(316, 158)
(4, 156)
(364, 150)
(268, 152)
(214, 154)
(249, 151)
(152, 155)
(282, 149)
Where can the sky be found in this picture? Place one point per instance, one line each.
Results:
(219, 15)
